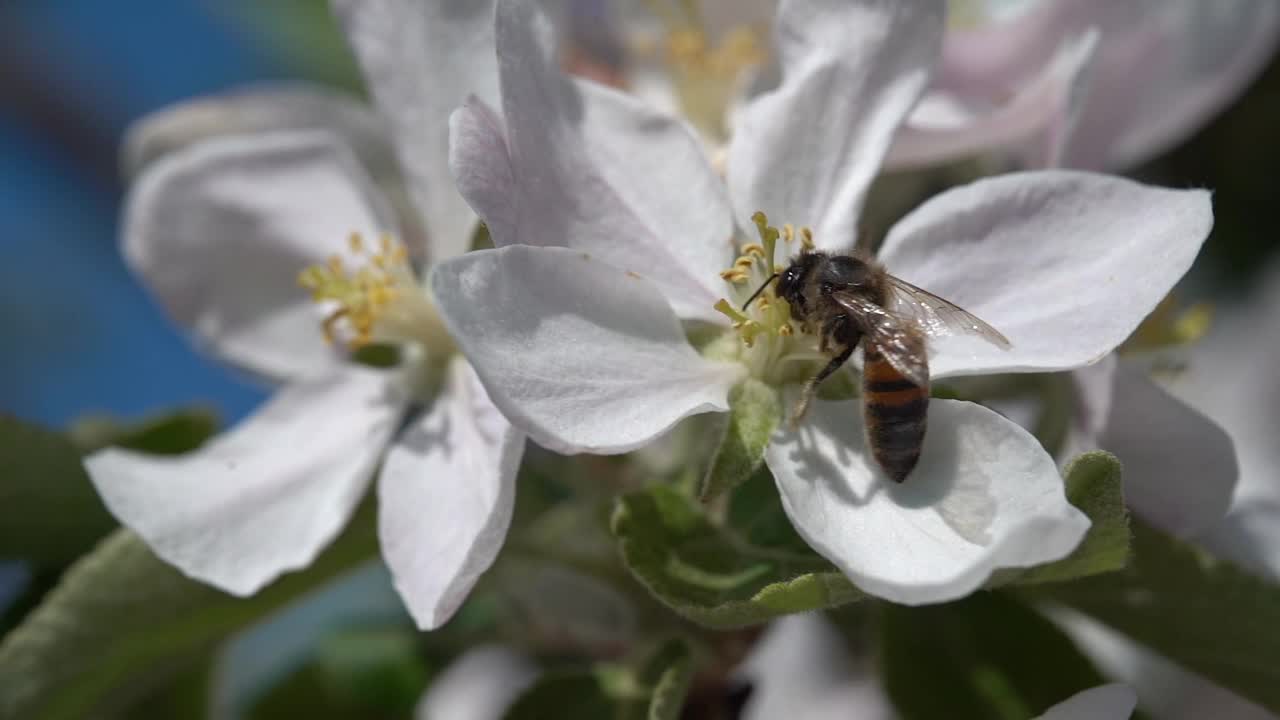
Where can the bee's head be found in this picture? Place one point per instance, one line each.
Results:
(792, 280)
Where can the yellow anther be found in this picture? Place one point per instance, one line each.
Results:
(1169, 326)
(731, 312)
(786, 330)
(788, 233)
(768, 236)
(733, 275)
(364, 296)
(753, 249)
(806, 237)
(744, 263)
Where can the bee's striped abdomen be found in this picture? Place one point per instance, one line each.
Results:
(895, 410)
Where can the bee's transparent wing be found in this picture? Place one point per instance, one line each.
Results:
(938, 317)
(897, 338)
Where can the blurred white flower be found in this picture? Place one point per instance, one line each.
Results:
(235, 196)
(480, 685)
(612, 226)
(1088, 84)
(1229, 378)
(1161, 69)
(1162, 442)
(801, 670)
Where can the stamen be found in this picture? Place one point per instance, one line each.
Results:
(768, 234)
(705, 71)
(383, 293)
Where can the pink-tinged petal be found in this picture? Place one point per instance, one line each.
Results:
(985, 495)
(582, 356)
(1215, 50)
(220, 230)
(266, 496)
(1035, 122)
(445, 496)
(1105, 702)
(1163, 68)
(1179, 466)
(806, 152)
(421, 59)
(258, 109)
(1064, 264)
(580, 165)
(480, 685)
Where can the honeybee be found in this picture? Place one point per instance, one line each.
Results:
(851, 299)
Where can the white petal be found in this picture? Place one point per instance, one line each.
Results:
(1105, 702)
(445, 497)
(1094, 387)
(1164, 67)
(1167, 690)
(1211, 53)
(583, 166)
(984, 496)
(480, 685)
(578, 354)
(1249, 537)
(220, 230)
(1065, 264)
(258, 109)
(422, 59)
(264, 497)
(852, 69)
(1036, 120)
(801, 670)
(1179, 466)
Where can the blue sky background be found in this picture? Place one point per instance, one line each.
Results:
(78, 333)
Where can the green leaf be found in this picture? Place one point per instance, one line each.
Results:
(669, 672)
(655, 690)
(369, 672)
(1093, 483)
(712, 575)
(571, 695)
(49, 512)
(987, 656)
(121, 617)
(754, 410)
(1204, 614)
(172, 433)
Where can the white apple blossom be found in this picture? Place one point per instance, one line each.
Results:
(1089, 84)
(704, 59)
(1161, 70)
(235, 196)
(612, 226)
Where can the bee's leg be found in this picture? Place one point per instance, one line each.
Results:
(810, 387)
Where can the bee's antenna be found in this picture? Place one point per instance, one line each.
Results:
(759, 290)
